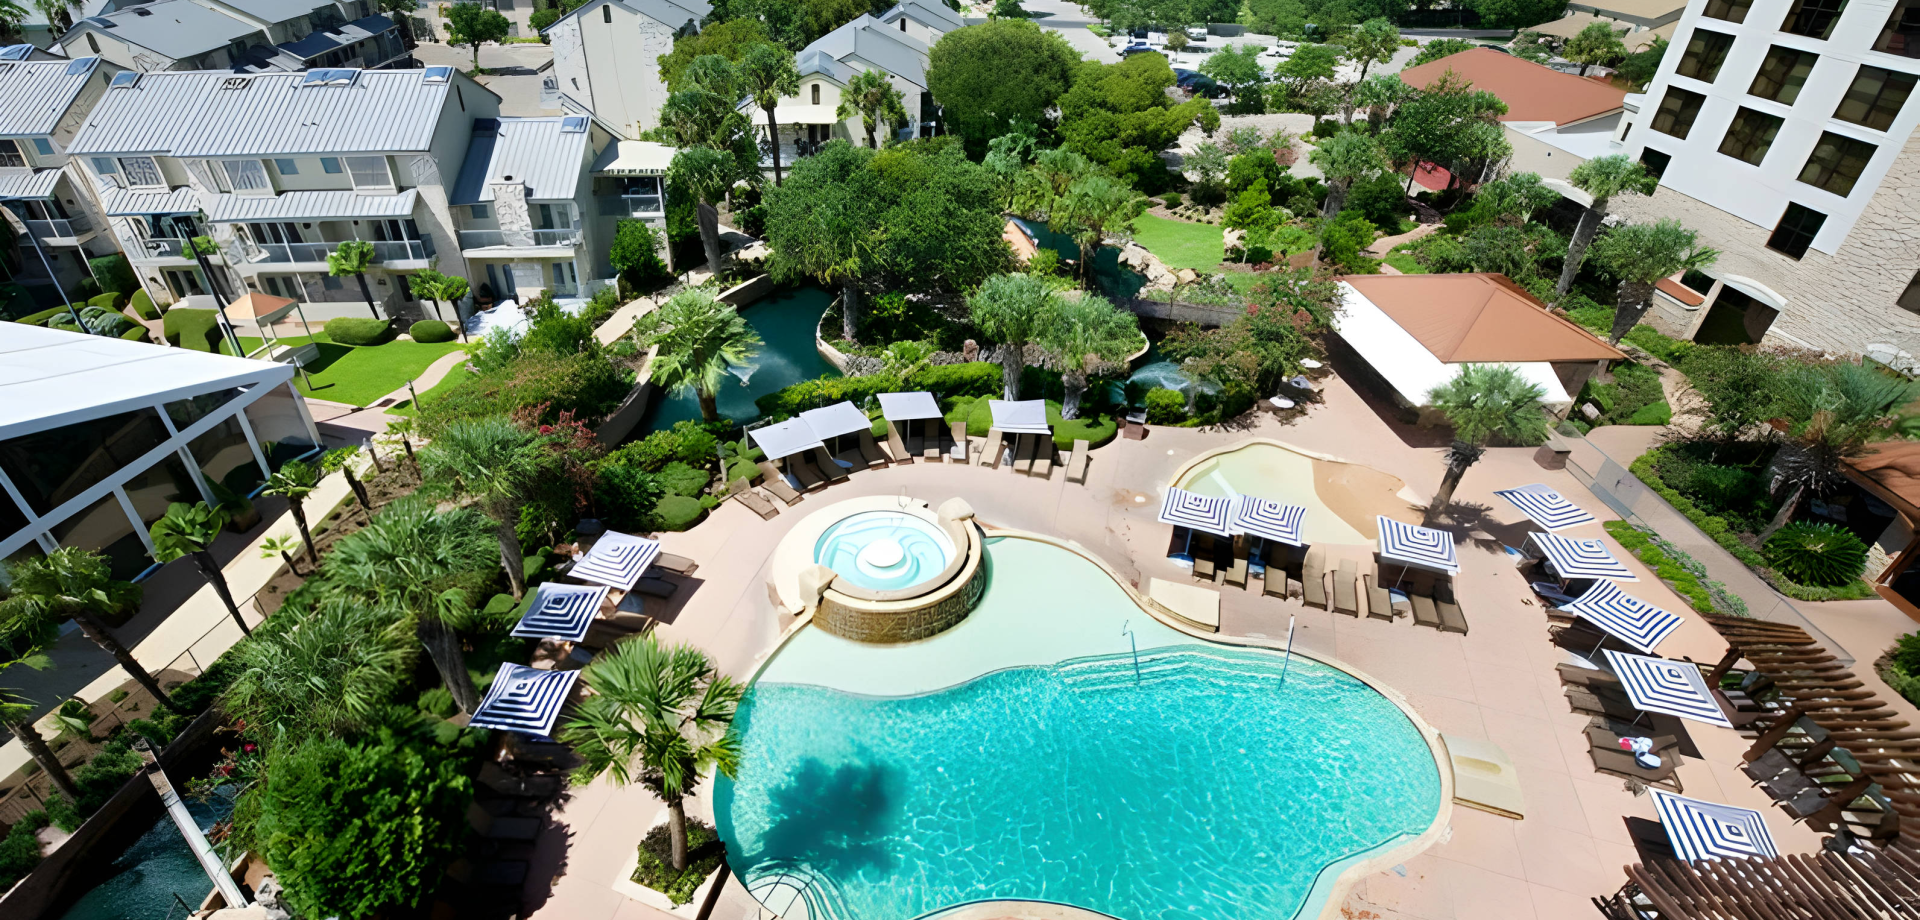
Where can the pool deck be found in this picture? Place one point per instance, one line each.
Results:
(1496, 684)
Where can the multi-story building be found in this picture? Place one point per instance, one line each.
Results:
(245, 36)
(606, 57)
(42, 106)
(1783, 133)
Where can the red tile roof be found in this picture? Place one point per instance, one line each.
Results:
(1532, 92)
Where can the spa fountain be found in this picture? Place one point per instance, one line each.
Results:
(881, 568)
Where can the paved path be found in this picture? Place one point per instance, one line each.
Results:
(1385, 244)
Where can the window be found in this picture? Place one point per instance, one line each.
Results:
(54, 466)
(1901, 35)
(10, 154)
(1813, 18)
(1706, 51)
(606, 13)
(1697, 280)
(1655, 161)
(481, 212)
(1677, 111)
(184, 412)
(816, 94)
(369, 172)
(142, 172)
(225, 457)
(1875, 98)
(1798, 226)
(1910, 298)
(104, 166)
(1836, 163)
(104, 527)
(330, 165)
(286, 167)
(1750, 135)
(43, 147)
(246, 176)
(1728, 10)
(1782, 74)
(279, 426)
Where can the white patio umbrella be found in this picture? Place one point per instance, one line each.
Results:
(523, 699)
(561, 611)
(1709, 830)
(1662, 685)
(616, 560)
(1420, 547)
(1546, 507)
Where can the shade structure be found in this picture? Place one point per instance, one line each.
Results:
(1666, 686)
(833, 421)
(1546, 507)
(616, 560)
(1270, 519)
(1709, 830)
(1581, 558)
(523, 699)
(1421, 547)
(561, 611)
(1187, 509)
(906, 407)
(1026, 416)
(1629, 618)
(784, 439)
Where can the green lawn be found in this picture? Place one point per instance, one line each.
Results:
(1178, 243)
(360, 375)
(446, 385)
(1405, 262)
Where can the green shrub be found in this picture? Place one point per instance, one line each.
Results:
(40, 318)
(114, 274)
(20, 848)
(1165, 407)
(358, 330)
(135, 334)
(1045, 262)
(687, 442)
(1817, 554)
(96, 782)
(680, 479)
(192, 328)
(1906, 653)
(1668, 568)
(143, 305)
(110, 300)
(1171, 199)
(1652, 414)
(952, 381)
(587, 385)
(677, 512)
(430, 331)
(1326, 127)
(624, 495)
(655, 869)
(1645, 467)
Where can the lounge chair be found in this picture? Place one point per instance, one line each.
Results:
(1424, 613)
(803, 470)
(1551, 593)
(1451, 619)
(655, 587)
(1203, 569)
(1595, 701)
(990, 455)
(1023, 450)
(1274, 584)
(1775, 761)
(828, 466)
(1379, 602)
(1605, 738)
(871, 451)
(1042, 456)
(897, 445)
(960, 442)
(739, 491)
(773, 482)
(1346, 599)
(1313, 582)
(1621, 763)
(1237, 574)
(493, 777)
(678, 565)
(853, 461)
(1587, 677)
(1077, 466)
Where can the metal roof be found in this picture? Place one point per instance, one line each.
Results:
(674, 13)
(322, 205)
(19, 184)
(34, 94)
(50, 377)
(930, 14)
(817, 61)
(534, 152)
(179, 29)
(121, 202)
(190, 114)
(319, 42)
(634, 158)
(275, 10)
(870, 40)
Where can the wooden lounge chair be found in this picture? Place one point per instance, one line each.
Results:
(1077, 462)
(1023, 450)
(1346, 599)
(1621, 763)
(1237, 574)
(1596, 701)
(1042, 456)
(773, 482)
(854, 461)
(1587, 677)
(1451, 619)
(678, 565)
(1203, 569)
(1423, 612)
(739, 491)
(1379, 602)
(897, 445)
(871, 451)
(959, 442)
(1313, 581)
(1605, 738)
(1275, 582)
(990, 455)
(828, 466)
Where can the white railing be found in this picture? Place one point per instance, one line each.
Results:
(287, 252)
(483, 239)
(400, 251)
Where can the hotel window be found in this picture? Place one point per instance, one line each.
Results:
(370, 172)
(142, 172)
(330, 165)
(1782, 74)
(1655, 161)
(1813, 18)
(1797, 228)
(286, 167)
(1750, 135)
(54, 466)
(1901, 35)
(1677, 111)
(816, 94)
(1875, 98)
(1728, 10)
(1706, 51)
(1836, 163)
(104, 166)
(10, 154)
(246, 176)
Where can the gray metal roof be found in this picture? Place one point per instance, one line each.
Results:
(310, 205)
(34, 94)
(276, 10)
(818, 61)
(189, 114)
(321, 41)
(671, 13)
(532, 151)
(871, 41)
(179, 29)
(929, 13)
(17, 184)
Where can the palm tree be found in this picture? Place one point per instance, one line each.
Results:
(354, 257)
(17, 713)
(1640, 255)
(73, 583)
(1047, 180)
(698, 338)
(1603, 178)
(660, 716)
(1015, 310)
(871, 96)
(707, 174)
(189, 530)
(1084, 331)
(1833, 412)
(437, 288)
(294, 481)
(1344, 159)
(494, 463)
(1094, 207)
(1483, 402)
(768, 74)
(335, 665)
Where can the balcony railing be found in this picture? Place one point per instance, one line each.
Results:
(482, 239)
(160, 247)
(57, 229)
(392, 251)
(566, 237)
(402, 251)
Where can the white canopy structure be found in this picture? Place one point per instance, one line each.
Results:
(1574, 559)
(561, 611)
(832, 421)
(906, 407)
(784, 439)
(1027, 416)
(523, 699)
(1624, 616)
(1699, 829)
(1182, 508)
(1546, 507)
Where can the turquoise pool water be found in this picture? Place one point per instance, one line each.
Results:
(151, 872)
(1192, 782)
(884, 550)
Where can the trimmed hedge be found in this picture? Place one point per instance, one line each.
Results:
(947, 381)
(356, 330)
(143, 305)
(431, 331)
(677, 512)
(40, 318)
(111, 300)
(1096, 430)
(193, 329)
(1675, 569)
(136, 334)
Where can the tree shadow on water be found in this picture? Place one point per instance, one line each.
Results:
(834, 818)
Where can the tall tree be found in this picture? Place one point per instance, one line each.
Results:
(1639, 255)
(1450, 124)
(1015, 310)
(822, 225)
(1371, 42)
(1344, 159)
(189, 530)
(294, 481)
(989, 77)
(496, 464)
(699, 340)
(1604, 178)
(1485, 401)
(1085, 331)
(871, 97)
(659, 716)
(1440, 48)
(1595, 45)
(1379, 95)
(1511, 200)
(1238, 69)
(473, 25)
(1095, 207)
(768, 74)
(354, 257)
(707, 175)
(1833, 412)
(74, 583)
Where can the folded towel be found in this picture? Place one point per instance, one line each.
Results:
(1640, 745)
(1649, 761)
(1281, 402)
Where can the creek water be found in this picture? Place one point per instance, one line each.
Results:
(786, 322)
(152, 870)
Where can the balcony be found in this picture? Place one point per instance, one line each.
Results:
(402, 251)
(54, 231)
(486, 239)
(394, 251)
(627, 206)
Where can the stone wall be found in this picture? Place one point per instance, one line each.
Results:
(862, 625)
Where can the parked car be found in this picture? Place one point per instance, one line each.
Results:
(1197, 33)
(1138, 48)
(1200, 84)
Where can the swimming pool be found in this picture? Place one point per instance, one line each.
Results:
(884, 550)
(1026, 753)
(1342, 499)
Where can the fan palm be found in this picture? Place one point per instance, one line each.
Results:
(189, 530)
(1640, 255)
(1087, 330)
(1603, 178)
(1833, 411)
(768, 74)
(1015, 310)
(1094, 207)
(282, 545)
(871, 97)
(1344, 159)
(354, 257)
(337, 660)
(1485, 401)
(73, 583)
(494, 463)
(698, 338)
(294, 481)
(30, 640)
(658, 716)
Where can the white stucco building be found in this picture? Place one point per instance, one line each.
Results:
(606, 57)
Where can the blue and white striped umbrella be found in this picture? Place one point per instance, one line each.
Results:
(561, 611)
(1422, 547)
(523, 699)
(1270, 519)
(1187, 509)
(1546, 507)
(1635, 621)
(617, 560)
(1663, 685)
(1581, 558)
(1709, 830)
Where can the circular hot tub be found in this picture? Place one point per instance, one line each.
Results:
(881, 568)
(884, 550)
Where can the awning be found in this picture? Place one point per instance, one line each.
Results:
(903, 407)
(1027, 416)
(1629, 618)
(561, 611)
(785, 438)
(523, 699)
(1187, 509)
(616, 559)
(1546, 507)
(1581, 558)
(634, 158)
(796, 115)
(326, 205)
(36, 184)
(1709, 830)
(835, 420)
(1269, 519)
(1420, 547)
(120, 202)
(1665, 686)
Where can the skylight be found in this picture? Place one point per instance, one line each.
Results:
(79, 65)
(330, 76)
(438, 74)
(125, 78)
(573, 124)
